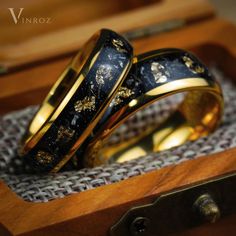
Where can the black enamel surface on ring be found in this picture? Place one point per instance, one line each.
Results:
(93, 91)
(154, 69)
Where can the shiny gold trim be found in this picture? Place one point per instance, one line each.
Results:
(198, 115)
(59, 95)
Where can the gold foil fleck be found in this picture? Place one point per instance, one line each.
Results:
(103, 73)
(119, 45)
(64, 133)
(192, 66)
(122, 93)
(159, 72)
(88, 103)
(44, 157)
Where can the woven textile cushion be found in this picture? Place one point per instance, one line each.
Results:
(42, 188)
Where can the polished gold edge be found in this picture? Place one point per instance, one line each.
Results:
(156, 53)
(174, 87)
(35, 137)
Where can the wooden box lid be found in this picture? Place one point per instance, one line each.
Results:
(49, 47)
(43, 41)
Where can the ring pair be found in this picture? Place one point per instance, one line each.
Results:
(102, 87)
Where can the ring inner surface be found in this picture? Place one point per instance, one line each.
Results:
(198, 115)
(58, 95)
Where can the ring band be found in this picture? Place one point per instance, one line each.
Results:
(77, 101)
(153, 76)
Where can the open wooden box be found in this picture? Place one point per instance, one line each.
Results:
(94, 212)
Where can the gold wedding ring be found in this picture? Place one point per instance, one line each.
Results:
(77, 101)
(162, 73)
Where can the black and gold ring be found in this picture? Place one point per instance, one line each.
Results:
(77, 101)
(153, 76)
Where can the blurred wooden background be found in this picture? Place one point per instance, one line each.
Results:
(63, 14)
(225, 9)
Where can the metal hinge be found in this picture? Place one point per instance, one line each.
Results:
(180, 210)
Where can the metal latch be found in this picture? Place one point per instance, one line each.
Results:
(180, 210)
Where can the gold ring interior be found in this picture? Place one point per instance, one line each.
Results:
(198, 115)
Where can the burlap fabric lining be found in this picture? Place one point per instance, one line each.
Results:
(42, 188)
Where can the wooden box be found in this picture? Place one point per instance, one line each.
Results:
(95, 212)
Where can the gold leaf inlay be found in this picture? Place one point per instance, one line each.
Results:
(119, 45)
(64, 133)
(44, 157)
(122, 93)
(103, 73)
(159, 72)
(88, 103)
(192, 65)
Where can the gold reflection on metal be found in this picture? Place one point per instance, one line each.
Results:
(131, 154)
(133, 103)
(166, 139)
